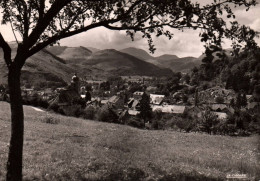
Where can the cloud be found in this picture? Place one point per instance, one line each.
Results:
(185, 43)
(248, 17)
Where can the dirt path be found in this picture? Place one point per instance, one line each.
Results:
(37, 109)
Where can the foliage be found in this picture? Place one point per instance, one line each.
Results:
(208, 121)
(45, 22)
(135, 122)
(105, 86)
(196, 98)
(72, 110)
(145, 108)
(241, 100)
(135, 87)
(107, 114)
(88, 96)
(35, 101)
(50, 120)
(89, 113)
(219, 100)
(79, 101)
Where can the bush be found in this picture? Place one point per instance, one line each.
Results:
(107, 114)
(207, 122)
(55, 107)
(219, 100)
(73, 110)
(50, 120)
(35, 101)
(135, 122)
(89, 113)
(157, 124)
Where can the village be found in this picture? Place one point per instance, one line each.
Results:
(123, 95)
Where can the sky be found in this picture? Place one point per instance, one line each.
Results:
(183, 44)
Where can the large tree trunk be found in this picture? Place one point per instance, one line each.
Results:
(15, 157)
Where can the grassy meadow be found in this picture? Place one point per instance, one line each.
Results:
(65, 148)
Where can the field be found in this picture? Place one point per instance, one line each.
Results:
(66, 148)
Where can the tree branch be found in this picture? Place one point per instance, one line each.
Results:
(62, 35)
(13, 32)
(48, 17)
(26, 20)
(7, 51)
(41, 10)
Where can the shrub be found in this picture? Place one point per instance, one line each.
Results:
(73, 110)
(157, 114)
(208, 121)
(55, 107)
(219, 100)
(186, 124)
(50, 120)
(89, 113)
(135, 122)
(107, 114)
(157, 124)
(79, 101)
(43, 103)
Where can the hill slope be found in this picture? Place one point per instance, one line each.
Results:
(76, 149)
(72, 55)
(40, 68)
(106, 62)
(119, 63)
(172, 62)
(56, 64)
(136, 52)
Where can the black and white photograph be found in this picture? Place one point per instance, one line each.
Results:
(130, 90)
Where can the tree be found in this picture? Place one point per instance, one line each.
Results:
(238, 100)
(219, 100)
(145, 108)
(88, 96)
(232, 103)
(243, 100)
(208, 121)
(196, 98)
(41, 23)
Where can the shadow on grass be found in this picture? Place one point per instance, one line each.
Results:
(130, 174)
(135, 174)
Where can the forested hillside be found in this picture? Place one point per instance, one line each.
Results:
(240, 72)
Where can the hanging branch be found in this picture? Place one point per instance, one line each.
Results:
(13, 31)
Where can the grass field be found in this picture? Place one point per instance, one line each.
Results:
(66, 148)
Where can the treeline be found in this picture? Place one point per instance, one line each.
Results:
(240, 72)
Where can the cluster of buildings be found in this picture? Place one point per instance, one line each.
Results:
(122, 101)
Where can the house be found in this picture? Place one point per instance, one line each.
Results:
(172, 109)
(249, 97)
(94, 102)
(151, 89)
(209, 95)
(218, 107)
(156, 99)
(136, 105)
(133, 112)
(221, 115)
(252, 105)
(103, 102)
(116, 101)
(83, 96)
(138, 95)
(130, 102)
